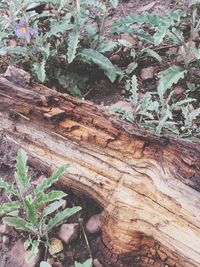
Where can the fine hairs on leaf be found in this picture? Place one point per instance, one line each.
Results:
(41, 211)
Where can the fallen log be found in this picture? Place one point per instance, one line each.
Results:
(147, 185)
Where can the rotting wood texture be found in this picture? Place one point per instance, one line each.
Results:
(148, 185)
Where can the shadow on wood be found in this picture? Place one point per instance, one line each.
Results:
(148, 185)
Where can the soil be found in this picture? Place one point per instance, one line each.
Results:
(101, 92)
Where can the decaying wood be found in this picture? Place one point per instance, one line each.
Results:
(148, 185)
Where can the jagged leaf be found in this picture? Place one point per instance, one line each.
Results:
(192, 115)
(131, 67)
(34, 249)
(94, 3)
(102, 61)
(58, 27)
(53, 207)
(21, 175)
(16, 222)
(46, 183)
(162, 122)
(134, 90)
(9, 207)
(106, 46)
(152, 53)
(169, 77)
(39, 69)
(43, 199)
(13, 50)
(30, 211)
(8, 187)
(73, 44)
(62, 215)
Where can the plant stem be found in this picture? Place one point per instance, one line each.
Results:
(86, 239)
(102, 25)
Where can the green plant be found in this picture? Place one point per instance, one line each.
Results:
(34, 211)
(50, 43)
(156, 110)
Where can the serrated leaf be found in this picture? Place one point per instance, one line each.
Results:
(102, 61)
(16, 222)
(152, 53)
(131, 67)
(9, 207)
(169, 77)
(87, 263)
(8, 187)
(53, 207)
(39, 69)
(160, 24)
(134, 91)
(43, 199)
(13, 50)
(182, 102)
(62, 215)
(73, 44)
(58, 27)
(94, 3)
(21, 175)
(171, 127)
(30, 211)
(106, 46)
(91, 31)
(46, 183)
(162, 122)
(192, 115)
(145, 102)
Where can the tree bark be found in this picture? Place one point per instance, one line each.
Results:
(148, 185)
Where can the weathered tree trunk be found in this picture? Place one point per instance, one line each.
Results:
(148, 185)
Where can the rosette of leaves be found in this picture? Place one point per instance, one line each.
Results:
(34, 211)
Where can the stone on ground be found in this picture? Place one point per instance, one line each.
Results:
(19, 256)
(93, 225)
(69, 232)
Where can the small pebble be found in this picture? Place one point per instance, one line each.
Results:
(19, 256)
(93, 225)
(69, 232)
(178, 90)
(147, 73)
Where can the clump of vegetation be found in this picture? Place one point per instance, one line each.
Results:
(51, 41)
(35, 212)
(158, 110)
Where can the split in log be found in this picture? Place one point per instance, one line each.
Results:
(148, 185)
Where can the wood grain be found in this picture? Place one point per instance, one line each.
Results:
(148, 185)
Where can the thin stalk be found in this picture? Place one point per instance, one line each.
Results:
(86, 239)
(102, 25)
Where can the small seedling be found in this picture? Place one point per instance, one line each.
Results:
(34, 211)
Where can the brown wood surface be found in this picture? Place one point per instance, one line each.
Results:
(148, 185)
